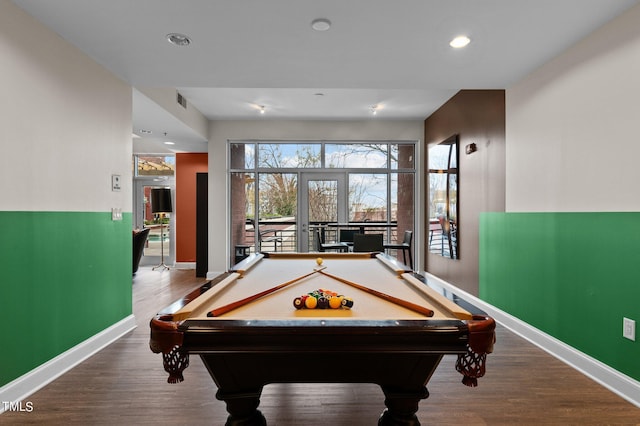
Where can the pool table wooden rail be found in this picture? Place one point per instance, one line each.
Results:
(170, 325)
(309, 336)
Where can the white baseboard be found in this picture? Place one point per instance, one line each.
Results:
(185, 265)
(620, 384)
(27, 384)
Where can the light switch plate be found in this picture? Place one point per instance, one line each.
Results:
(116, 214)
(629, 329)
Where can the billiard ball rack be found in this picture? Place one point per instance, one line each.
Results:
(322, 299)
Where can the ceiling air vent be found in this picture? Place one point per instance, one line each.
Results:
(182, 100)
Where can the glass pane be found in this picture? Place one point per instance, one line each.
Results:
(367, 197)
(402, 156)
(394, 196)
(439, 157)
(157, 165)
(291, 155)
(158, 224)
(242, 155)
(437, 194)
(323, 201)
(277, 209)
(453, 159)
(242, 212)
(356, 156)
(453, 197)
(278, 195)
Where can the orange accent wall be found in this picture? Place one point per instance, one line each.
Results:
(187, 165)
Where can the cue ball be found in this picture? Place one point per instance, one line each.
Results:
(319, 261)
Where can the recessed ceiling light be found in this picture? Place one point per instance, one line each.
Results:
(178, 39)
(321, 24)
(258, 107)
(459, 41)
(169, 143)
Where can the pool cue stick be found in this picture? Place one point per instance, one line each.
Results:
(401, 302)
(234, 305)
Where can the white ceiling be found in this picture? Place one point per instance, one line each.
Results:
(246, 53)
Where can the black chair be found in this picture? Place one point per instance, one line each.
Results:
(139, 241)
(267, 236)
(450, 234)
(405, 246)
(368, 243)
(435, 230)
(346, 236)
(321, 246)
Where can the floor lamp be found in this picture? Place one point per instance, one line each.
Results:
(160, 204)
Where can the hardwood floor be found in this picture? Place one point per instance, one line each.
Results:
(125, 384)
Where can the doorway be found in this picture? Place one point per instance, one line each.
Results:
(161, 239)
(323, 200)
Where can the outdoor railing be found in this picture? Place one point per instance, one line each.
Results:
(281, 235)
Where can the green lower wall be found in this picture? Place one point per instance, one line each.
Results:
(572, 275)
(64, 276)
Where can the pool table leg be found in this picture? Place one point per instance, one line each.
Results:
(243, 408)
(402, 406)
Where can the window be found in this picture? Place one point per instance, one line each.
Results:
(356, 155)
(265, 192)
(284, 156)
(154, 165)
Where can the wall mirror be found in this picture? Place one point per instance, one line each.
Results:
(443, 198)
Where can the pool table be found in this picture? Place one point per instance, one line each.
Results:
(381, 339)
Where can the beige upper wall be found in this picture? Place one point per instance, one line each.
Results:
(573, 126)
(222, 131)
(66, 123)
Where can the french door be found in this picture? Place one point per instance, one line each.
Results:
(322, 199)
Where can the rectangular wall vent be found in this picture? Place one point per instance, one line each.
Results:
(182, 100)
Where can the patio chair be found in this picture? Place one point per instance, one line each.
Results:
(267, 236)
(405, 246)
(321, 246)
(368, 243)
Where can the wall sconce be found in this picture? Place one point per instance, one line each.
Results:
(470, 149)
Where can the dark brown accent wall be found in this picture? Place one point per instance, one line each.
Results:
(477, 116)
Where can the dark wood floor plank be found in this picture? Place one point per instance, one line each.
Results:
(125, 384)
